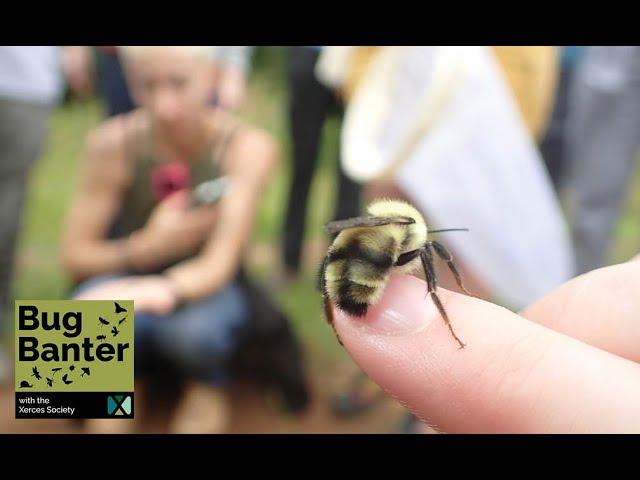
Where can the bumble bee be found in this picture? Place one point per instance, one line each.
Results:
(359, 261)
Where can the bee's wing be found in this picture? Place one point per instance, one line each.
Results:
(369, 221)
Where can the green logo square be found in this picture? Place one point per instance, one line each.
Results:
(74, 346)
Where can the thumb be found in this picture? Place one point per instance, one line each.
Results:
(513, 375)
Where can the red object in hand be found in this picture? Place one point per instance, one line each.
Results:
(169, 178)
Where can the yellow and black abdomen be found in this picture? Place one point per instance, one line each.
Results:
(357, 267)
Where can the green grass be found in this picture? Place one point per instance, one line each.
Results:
(38, 273)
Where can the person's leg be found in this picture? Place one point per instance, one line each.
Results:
(552, 145)
(112, 85)
(602, 143)
(199, 339)
(12, 194)
(23, 129)
(308, 109)
(11, 200)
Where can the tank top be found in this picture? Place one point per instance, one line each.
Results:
(140, 199)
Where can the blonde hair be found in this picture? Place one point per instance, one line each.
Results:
(136, 51)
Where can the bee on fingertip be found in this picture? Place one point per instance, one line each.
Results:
(393, 235)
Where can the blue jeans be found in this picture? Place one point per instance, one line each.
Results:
(198, 338)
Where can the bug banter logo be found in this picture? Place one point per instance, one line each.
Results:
(74, 359)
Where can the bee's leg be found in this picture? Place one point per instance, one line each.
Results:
(406, 258)
(323, 267)
(328, 310)
(328, 307)
(430, 275)
(445, 255)
(323, 288)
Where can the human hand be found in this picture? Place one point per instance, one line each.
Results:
(152, 293)
(569, 363)
(173, 231)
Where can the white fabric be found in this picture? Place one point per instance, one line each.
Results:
(333, 65)
(31, 74)
(445, 125)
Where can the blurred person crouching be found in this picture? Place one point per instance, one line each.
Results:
(133, 232)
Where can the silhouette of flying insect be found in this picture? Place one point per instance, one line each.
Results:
(115, 331)
(36, 373)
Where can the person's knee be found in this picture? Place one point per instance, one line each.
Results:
(203, 336)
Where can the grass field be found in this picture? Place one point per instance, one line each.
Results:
(39, 275)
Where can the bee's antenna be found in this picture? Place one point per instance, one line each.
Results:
(450, 230)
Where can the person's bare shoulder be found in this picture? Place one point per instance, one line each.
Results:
(253, 153)
(112, 135)
(109, 146)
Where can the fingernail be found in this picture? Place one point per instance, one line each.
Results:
(404, 309)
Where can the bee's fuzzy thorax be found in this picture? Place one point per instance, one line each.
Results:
(387, 207)
(415, 234)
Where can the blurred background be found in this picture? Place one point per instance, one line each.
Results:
(571, 101)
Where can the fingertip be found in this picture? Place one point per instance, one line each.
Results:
(404, 308)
